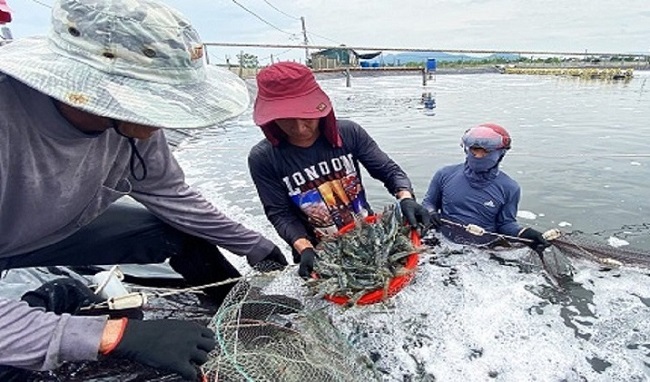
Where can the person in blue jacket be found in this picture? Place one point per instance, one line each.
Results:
(307, 170)
(478, 192)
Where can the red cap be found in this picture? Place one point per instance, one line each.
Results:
(290, 90)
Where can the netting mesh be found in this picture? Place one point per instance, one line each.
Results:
(273, 337)
(578, 245)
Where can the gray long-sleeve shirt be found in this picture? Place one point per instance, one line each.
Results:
(54, 179)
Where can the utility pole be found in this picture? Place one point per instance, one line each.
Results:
(306, 41)
(241, 64)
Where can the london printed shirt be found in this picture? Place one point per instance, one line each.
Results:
(315, 191)
(329, 193)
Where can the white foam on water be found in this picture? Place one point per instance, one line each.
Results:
(467, 317)
(616, 242)
(522, 214)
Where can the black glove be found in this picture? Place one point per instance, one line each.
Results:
(306, 263)
(414, 213)
(536, 241)
(274, 260)
(64, 295)
(434, 221)
(173, 345)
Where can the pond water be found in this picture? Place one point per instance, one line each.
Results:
(579, 146)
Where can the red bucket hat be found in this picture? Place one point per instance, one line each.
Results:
(290, 90)
(5, 12)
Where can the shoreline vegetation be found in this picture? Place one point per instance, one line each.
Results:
(563, 68)
(595, 67)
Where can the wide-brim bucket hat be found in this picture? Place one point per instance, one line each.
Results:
(131, 60)
(288, 90)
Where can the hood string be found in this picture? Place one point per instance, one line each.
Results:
(135, 154)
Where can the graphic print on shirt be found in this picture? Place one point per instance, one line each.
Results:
(489, 203)
(329, 193)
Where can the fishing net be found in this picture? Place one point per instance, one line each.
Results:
(272, 337)
(556, 261)
(581, 246)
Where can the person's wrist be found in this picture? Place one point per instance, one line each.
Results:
(112, 335)
(301, 244)
(403, 194)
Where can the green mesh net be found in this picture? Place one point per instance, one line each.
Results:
(272, 337)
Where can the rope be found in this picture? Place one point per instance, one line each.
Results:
(479, 231)
(194, 289)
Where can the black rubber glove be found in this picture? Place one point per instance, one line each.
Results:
(306, 263)
(536, 241)
(173, 345)
(414, 213)
(434, 221)
(64, 295)
(274, 260)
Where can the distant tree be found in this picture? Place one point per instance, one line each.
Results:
(248, 60)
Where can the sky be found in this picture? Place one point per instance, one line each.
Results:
(508, 25)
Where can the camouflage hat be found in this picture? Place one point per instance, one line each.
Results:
(131, 60)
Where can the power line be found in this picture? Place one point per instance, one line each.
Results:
(323, 37)
(263, 20)
(43, 4)
(299, 18)
(275, 55)
(284, 13)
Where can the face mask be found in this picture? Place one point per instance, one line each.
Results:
(483, 164)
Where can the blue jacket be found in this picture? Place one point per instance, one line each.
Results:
(492, 206)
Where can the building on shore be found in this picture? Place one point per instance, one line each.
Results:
(338, 57)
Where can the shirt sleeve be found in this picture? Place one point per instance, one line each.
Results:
(33, 339)
(273, 195)
(379, 165)
(166, 194)
(507, 217)
(432, 200)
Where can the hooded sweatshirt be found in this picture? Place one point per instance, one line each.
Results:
(54, 179)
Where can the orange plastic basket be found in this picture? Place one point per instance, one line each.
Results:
(395, 285)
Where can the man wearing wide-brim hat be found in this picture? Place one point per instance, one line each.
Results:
(80, 127)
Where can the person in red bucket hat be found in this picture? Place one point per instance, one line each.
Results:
(478, 192)
(307, 169)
